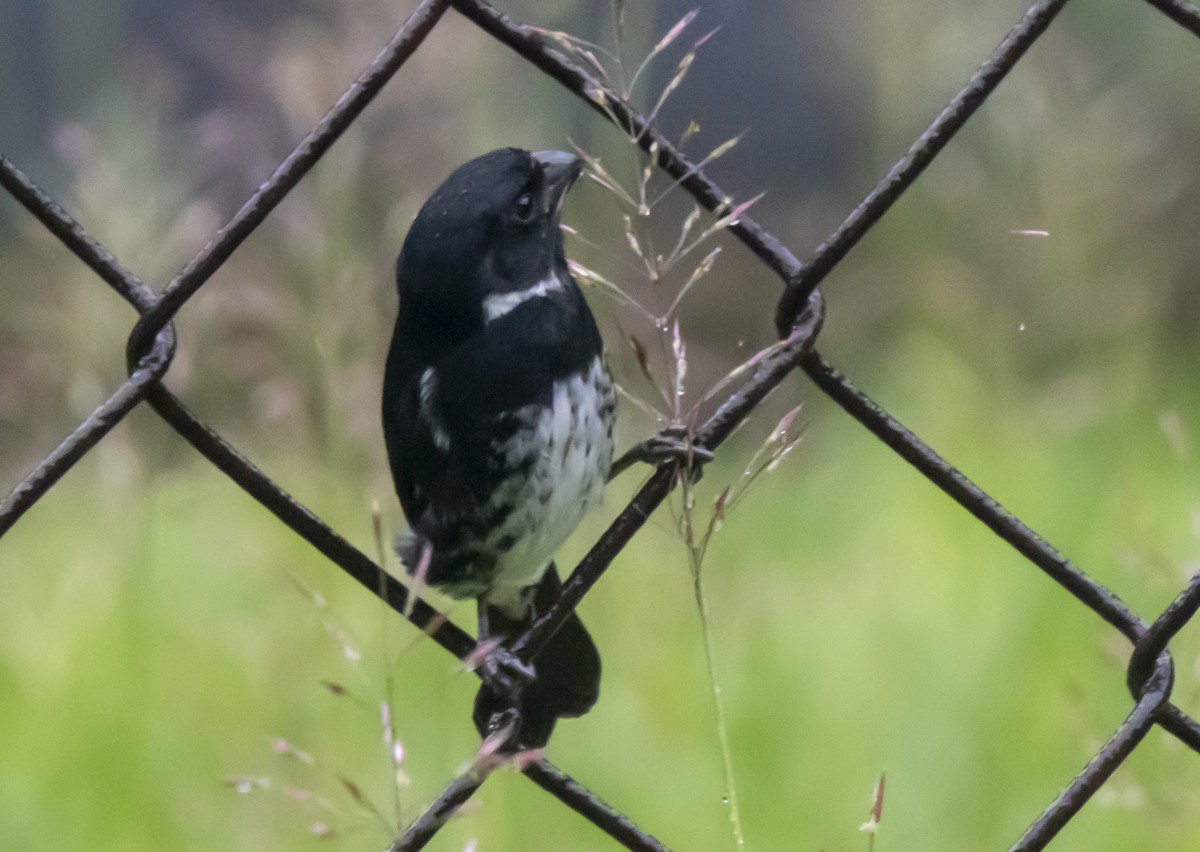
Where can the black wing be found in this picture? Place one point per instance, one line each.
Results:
(442, 446)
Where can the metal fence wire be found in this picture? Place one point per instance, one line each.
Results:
(798, 317)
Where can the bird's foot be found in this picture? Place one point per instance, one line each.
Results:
(505, 674)
(673, 444)
(500, 733)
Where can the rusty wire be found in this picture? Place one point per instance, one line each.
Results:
(799, 314)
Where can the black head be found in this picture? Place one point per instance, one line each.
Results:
(491, 227)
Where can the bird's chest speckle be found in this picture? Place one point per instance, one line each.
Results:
(567, 449)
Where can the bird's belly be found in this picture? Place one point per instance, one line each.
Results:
(571, 447)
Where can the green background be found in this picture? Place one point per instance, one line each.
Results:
(154, 643)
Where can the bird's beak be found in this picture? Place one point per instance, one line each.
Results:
(560, 170)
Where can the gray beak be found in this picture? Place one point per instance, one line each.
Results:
(560, 170)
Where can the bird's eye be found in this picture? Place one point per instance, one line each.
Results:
(525, 208)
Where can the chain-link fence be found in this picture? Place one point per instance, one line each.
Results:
(798, 318)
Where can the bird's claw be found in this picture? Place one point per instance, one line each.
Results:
(506, 674)
(673, 444)
(502, 729)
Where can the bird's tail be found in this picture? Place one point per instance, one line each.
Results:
(568, 671)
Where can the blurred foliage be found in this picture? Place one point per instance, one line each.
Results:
(154, 644)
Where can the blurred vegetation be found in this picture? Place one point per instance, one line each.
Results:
(154, 646)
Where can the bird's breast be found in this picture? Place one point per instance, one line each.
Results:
(567, 448)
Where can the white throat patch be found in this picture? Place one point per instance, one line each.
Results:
(498, 304)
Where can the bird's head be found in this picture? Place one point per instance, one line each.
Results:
(490, 229)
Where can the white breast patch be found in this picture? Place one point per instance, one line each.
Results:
(573, 443)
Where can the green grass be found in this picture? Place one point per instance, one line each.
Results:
(155, 645)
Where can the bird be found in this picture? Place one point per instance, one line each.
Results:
(498, 418)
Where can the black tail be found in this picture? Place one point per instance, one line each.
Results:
(568, 671)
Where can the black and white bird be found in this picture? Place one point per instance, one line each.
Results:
(498, 412)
